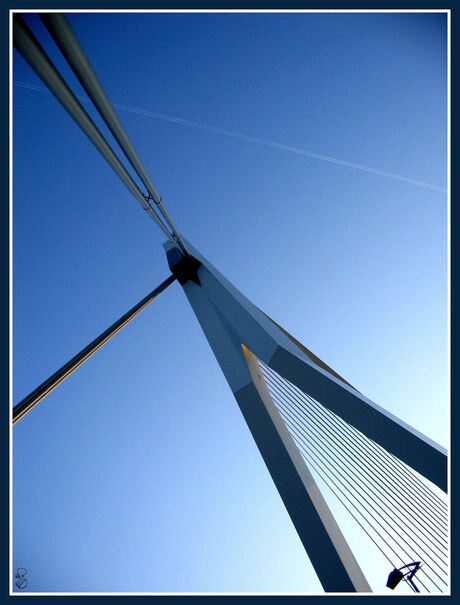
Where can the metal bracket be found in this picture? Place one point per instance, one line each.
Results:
(149, 197)
(184, 268)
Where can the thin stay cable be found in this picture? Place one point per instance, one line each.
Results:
(353, 458)
(347, 486)
(367, 447)
(380, 462)
(381, 456)
(411, 482)
(332, 483)
(401, 470)
(308, 453)
(380, 506)
(324, 431)
(345, 444)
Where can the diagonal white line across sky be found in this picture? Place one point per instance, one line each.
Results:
(244, 137)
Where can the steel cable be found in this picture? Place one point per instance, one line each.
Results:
(329, 418)
(28, 45)
(354, 463)
(428, 505)
(377, 511)
(66, 40)
(337, 425)
(368, 443)
(347, 486)
(323, 473)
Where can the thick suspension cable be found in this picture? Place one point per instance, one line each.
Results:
(408, 519)
(33, 53)
(65, 38)
(24, 406)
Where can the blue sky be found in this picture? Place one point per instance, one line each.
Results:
(138, 473)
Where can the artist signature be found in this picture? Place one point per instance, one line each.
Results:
(20, 577)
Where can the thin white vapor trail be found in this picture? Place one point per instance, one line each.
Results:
(244, 137)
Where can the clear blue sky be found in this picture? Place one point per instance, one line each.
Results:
(138, 473)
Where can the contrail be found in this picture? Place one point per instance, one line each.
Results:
(245, 137)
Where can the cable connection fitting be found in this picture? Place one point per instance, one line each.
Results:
(149, 206)
(184, 268)
(149, 197)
